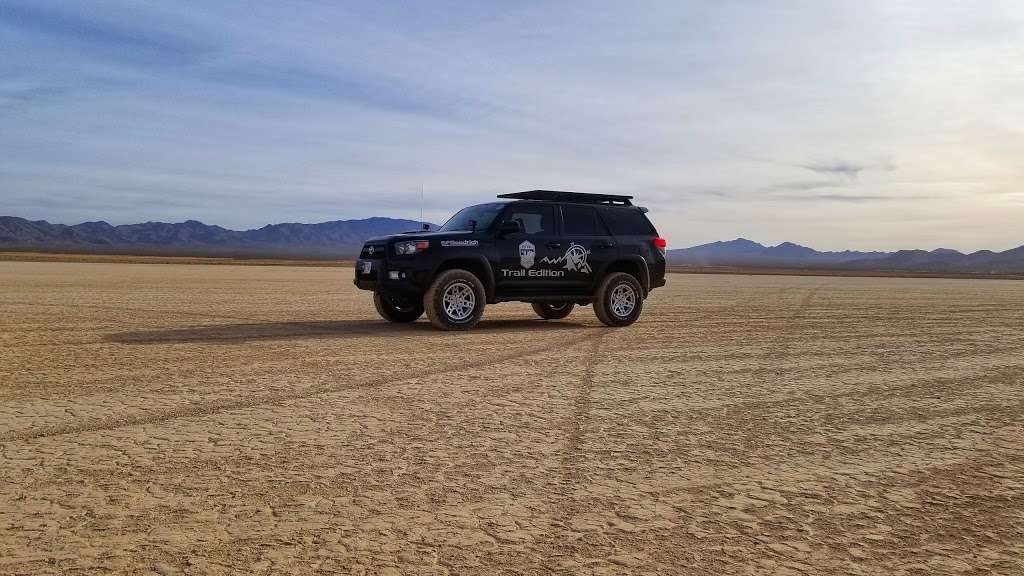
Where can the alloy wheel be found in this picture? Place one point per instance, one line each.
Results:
(623, 300)
(459, 300)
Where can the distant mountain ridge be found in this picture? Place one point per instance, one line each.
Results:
(343, 239)
(945, 260)
(335, 239)
(743, 252)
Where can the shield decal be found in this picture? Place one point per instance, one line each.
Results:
(527, 252)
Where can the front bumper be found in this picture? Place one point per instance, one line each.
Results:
(368, 274)
(379, 276)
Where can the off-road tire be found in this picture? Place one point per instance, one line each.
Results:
(607, 311)
(401, 311)
(434, 300)
(553, 310)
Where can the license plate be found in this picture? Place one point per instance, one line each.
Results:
(367, 267)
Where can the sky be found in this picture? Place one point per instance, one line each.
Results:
(835, 124)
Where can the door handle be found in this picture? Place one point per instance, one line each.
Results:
(604, 244)
(554, 244)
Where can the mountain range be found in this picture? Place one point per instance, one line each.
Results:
(336, 239)
(343, 238)
(743, 252)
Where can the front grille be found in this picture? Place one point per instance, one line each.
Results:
(373, 252)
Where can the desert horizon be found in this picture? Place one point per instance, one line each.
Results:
(257, 260)
(343, 239)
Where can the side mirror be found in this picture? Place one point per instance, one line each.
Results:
(510, 227)
(426, 227)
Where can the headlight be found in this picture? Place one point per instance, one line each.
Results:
(411, 247)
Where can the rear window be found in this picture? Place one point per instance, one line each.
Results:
(533, 219)
(581, 221)
(628, 222)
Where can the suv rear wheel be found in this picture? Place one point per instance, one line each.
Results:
(397, 308)
(552, 310)
(455, 300)
(619, 300)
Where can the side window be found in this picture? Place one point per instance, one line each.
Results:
(628, 222)
(535, 220)
(581, 221)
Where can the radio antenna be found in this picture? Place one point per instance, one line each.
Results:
(422, 221)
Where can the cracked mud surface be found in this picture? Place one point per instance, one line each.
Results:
(181, 419)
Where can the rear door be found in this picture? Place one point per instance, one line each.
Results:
(588, 246)
(525, 257)
(635, 236)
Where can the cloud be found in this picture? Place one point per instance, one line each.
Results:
(354, 86)
(845, 169)
(861, 198)
(23, 96)
(856, 197)
(806, 185)
(119, 39)
(243, 114)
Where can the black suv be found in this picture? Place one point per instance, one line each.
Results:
(552, 249)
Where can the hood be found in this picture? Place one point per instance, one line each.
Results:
(420, 235)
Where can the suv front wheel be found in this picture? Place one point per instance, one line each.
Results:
(455, 300)
(619, 300)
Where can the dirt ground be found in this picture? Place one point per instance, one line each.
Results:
(192, 419)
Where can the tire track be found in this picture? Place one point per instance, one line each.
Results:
(564, 507)
(201, 409)
(577, 424)
(778, 343)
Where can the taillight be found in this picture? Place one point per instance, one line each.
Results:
(661, 244)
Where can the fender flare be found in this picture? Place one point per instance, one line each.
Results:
(482, 261)
(641, 264)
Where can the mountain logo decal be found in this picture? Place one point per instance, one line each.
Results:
(574, 259)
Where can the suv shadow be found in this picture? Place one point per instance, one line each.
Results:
(252, 332)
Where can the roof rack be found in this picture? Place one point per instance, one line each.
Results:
(574, 197)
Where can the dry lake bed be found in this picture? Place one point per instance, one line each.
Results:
(191, 419)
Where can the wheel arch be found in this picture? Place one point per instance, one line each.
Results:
(480, 267)
(635, 266)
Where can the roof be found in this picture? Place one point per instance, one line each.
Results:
(574, 197)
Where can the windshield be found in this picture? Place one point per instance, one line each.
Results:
(482, 214)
